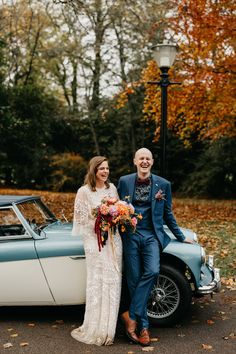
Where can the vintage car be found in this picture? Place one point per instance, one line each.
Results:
(41, 263)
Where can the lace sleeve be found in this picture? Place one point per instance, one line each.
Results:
(114, 190)
(81, 212)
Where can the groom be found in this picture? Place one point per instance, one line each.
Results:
(151, 196)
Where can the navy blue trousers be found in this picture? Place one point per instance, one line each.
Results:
(142, 267)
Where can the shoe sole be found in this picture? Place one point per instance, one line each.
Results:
(131, 338)
(145, 345)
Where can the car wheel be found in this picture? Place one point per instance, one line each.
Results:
(170, 297)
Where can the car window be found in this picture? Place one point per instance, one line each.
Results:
(32, 212)
(10, 225)
(36, 213)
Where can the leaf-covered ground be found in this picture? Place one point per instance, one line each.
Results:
(213, 220)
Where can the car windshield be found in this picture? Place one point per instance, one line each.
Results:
(36, 213)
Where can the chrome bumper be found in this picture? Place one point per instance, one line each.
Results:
(214, 286)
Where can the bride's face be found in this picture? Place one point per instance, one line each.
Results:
(102, 172)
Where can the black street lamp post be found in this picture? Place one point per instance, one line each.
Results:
(164, 54)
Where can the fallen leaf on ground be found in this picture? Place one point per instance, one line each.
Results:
(155, 339)
(229, 282)
(130, 352)
(210, 322)
(225, 318)
(181, 335)
(7, 345)
(147, 349)
(31, 324)
(24, 344)
(54, 326)
(14, 335)
(10, 329)
(207, 347)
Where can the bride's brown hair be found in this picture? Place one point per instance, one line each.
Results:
(90, 178)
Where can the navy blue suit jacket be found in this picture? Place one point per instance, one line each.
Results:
(161, 209)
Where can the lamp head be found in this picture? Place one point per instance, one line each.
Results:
(164, 54)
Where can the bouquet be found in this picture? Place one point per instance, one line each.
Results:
(112, 213)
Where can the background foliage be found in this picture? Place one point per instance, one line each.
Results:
(73, 84)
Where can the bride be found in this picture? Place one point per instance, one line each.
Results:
(103, 267)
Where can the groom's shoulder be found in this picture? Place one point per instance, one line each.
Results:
(160, 179)
(127, 177)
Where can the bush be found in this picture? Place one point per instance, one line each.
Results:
(214, 173)
(68, 172)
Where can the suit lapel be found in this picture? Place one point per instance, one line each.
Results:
(131, 186)
(155, 189)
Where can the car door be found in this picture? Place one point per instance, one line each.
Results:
(22, 281)
(63, 261)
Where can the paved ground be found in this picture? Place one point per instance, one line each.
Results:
(209, 327)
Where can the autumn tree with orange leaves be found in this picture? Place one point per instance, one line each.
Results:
(203, 107)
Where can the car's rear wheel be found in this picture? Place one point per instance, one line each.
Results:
(170, 297)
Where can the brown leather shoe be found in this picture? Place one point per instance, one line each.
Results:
(130, 327)
(144, 337)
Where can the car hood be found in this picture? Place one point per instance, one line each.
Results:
(59, 228)
(187, 233)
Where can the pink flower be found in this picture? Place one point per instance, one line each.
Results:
(160, 195)
(104, 209)
(111, 201)
(134, 221)
(113, 211)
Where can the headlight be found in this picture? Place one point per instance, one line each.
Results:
(210, 260)
(203, 255)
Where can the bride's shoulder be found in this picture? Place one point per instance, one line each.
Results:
(83, 189)
(112, 186)
(113, 190)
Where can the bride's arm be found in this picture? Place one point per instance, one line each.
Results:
(81, 212)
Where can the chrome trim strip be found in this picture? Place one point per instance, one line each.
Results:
(16, 237)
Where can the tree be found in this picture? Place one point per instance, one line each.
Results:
(214, 171)
(26, 115)
(203, 107)
(24, 30)
(110, 31)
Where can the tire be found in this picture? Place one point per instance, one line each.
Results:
(170, 298)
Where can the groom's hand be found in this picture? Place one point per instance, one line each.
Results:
(188, 240)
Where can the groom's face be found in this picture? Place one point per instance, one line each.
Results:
(143, 161)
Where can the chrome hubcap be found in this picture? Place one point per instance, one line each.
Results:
(164, 298)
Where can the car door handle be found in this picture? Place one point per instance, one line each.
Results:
(77, 257)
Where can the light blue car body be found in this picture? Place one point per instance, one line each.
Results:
(54, 247)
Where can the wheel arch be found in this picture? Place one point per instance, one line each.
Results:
(171, 260)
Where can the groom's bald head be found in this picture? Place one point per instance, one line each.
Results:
(144, 151)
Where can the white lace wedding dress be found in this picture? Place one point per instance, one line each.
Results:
(103, 271)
